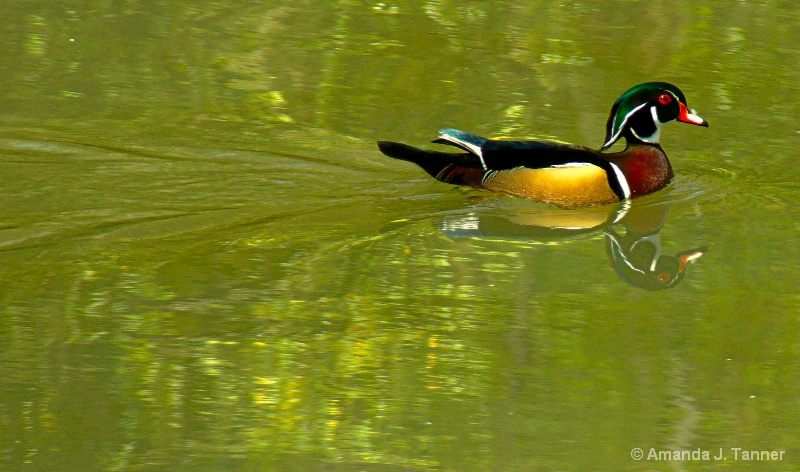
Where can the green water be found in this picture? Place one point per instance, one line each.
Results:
(206, 264)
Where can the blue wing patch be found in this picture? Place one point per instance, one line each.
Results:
(458, 136)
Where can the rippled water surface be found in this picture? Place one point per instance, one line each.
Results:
(206, 263)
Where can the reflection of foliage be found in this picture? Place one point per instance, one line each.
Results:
(344, 65)
(398, 348)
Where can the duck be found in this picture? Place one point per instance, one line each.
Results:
(636, 254)
(566, 175)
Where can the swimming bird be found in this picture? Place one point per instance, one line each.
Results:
(566, 175)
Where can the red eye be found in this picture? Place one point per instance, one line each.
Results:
(663, 277)
(665, 99)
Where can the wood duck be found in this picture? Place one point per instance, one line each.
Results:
(566, 175)
(638, 257)
(635, 254)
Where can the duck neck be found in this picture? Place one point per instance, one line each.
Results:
(644, 165)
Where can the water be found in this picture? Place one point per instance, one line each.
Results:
(207, 264)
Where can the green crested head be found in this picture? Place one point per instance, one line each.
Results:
(639, 113)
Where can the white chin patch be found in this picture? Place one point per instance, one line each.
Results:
(654, 138)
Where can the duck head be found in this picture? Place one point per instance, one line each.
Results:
(639, 113)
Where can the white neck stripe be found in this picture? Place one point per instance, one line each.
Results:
(614, 138)
(623, 182)
(656, 121)
(654, 138)
(623, 210)
(623, 256)
(655, 240)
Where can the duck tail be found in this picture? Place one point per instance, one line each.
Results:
(451, 168)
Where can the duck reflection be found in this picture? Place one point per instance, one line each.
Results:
(632, 237)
